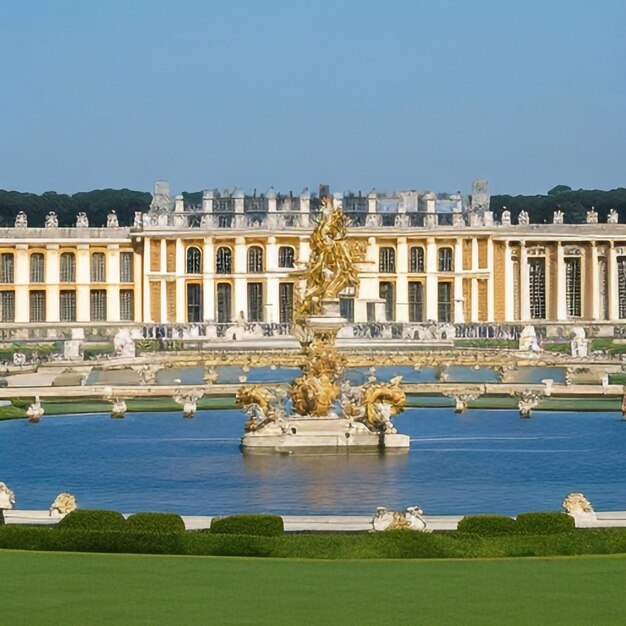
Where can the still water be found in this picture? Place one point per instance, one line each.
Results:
(478, 462)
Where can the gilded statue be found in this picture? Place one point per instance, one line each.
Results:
(331, 266)
(257, 402)
(382, 401)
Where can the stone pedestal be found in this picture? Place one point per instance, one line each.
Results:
(321, 434)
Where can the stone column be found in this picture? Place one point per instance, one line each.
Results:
(490, 281)
(432, 273)
(21, 280)
(241, 270)
(594, 295)
(509, 283)
(402, 281)
(613, 284)
(459, 317)
(560, 288)
(83, 281)
(113, 283)
(181, 271)
(208, 280)
(272, 290)
(53, 276)
(139, 280)
(524, 283)
(164, 301)
(475, 303)
(145, 284)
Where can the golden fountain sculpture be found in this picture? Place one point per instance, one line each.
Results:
(318, 410)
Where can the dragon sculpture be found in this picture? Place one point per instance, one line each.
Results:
(382, 401)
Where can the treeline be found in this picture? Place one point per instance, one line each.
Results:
(97, 204)
(573, 203)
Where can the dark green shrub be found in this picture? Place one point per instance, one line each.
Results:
(93, 519)
(156, 523)
(546, 523)
(487, 525)
(259, 525)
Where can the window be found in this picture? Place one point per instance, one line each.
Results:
(68, 267)
(255, 260)
(36, 268)
(387, 260)
(98, 305)
(346, 308)
(445, 260)
(224, 262)
(386, 292)
(67, 306)
(572, 286)
(285, 256)
(126, 267)
(537, 287)
(98, 267)
(416, 260)
(7, 306)
(6, 267)
(37, 306)
(444, 309)
(224, 301)
(194, 261)
(194, 302)
(255, 302)
(127, 305)
(416, 302)
(286, 302)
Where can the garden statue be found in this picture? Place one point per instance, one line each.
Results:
(119, 408)
(63, 504)
(7, 498)
(578, 507)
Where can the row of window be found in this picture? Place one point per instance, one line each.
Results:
(224, 260)
(67, 305)
(67, 267)
(387, 260)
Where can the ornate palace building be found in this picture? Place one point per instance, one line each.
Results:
(428, 258)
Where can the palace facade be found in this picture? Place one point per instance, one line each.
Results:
(428, 258)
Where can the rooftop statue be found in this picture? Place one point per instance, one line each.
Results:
(82, 221)
(557, 217)
(612, 217)
(52, 221)
(592, 216)
(523, 219)
(21, 221)
(112, 221)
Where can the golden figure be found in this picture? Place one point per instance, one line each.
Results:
(331, 266)
(382, 401)
(256, 402)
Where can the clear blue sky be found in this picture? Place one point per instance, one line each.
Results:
(423, 94)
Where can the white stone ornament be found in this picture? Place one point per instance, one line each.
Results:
(523, 219)
(592, 216)
(21, 221)
(411, 519)
(557, 217)
(7, 497)
(578, 507)
(52, 221)
(613, 217)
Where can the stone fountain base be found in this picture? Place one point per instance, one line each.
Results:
(320, 434)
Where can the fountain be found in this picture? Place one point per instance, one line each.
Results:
(318, 411)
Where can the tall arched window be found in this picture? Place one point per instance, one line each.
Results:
(68, 268)
(36, 268)
(194, 260)
(224, 262)
(416, 259)
(98, 267)
(387, 260)
(285, 256)
(445, 260)
(255, 260)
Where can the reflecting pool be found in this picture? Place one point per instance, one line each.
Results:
(478, 462)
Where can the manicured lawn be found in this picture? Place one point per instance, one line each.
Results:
(86, 589)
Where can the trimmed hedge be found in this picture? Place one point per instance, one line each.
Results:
(258, 525)
(93, 519)
(544, 523)
(487, 525)
(390, 545)
(155, 523)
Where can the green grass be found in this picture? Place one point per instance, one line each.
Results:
(54, 588)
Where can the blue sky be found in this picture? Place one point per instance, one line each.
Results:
(399, 94)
